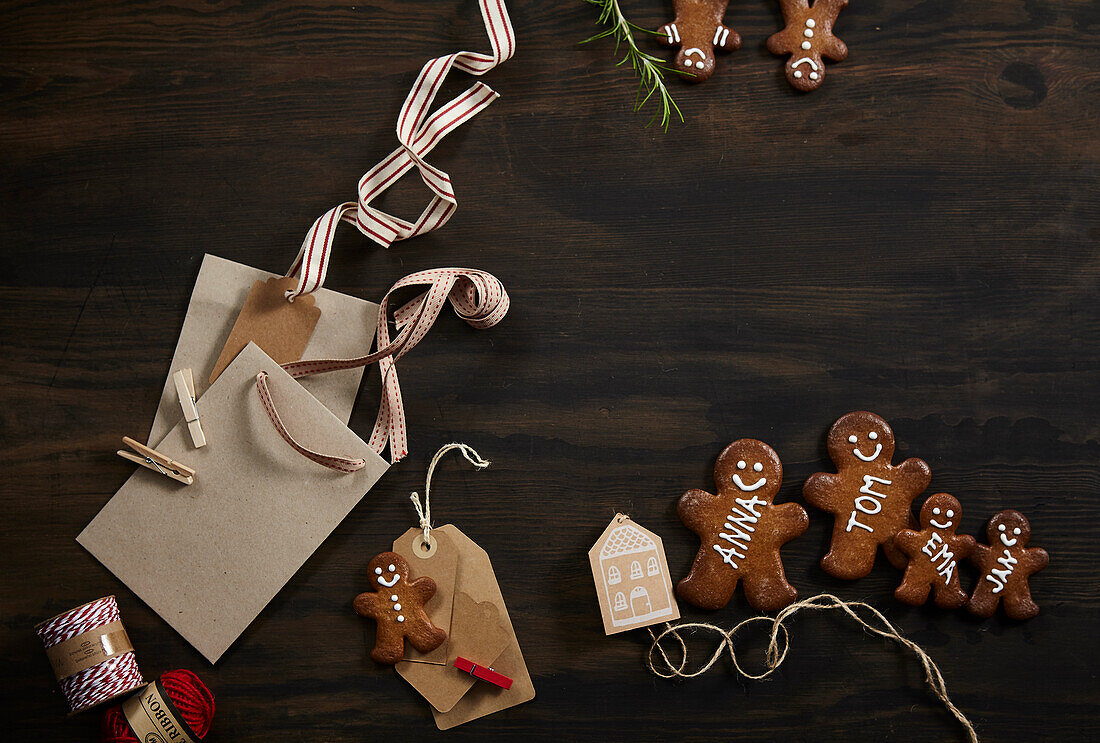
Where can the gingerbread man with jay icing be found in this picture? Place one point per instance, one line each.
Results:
(740, 531)
(934, 553)
(398, 607)
(698, 31)
(1006, 564)
(870, 497)
(808, 40)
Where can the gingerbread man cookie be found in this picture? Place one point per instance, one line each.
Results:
(1006, 566)
(741, 530)
(871, 498)
(398, 607)
(809, 40)
(698, 31)
(933, 554)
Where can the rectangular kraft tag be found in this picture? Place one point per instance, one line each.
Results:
(441, 565)
(154, 719)
(88, 649)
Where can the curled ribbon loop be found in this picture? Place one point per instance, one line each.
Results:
(418, 133)
(477, 297)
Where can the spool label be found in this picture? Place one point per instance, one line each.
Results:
(154, 719)
(88, 649)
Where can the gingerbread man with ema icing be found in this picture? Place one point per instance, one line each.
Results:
(1006, 564)
(933, 555)
(809, 40)
(698, 31)
(871, 498)
(740, 531)
(398, 607)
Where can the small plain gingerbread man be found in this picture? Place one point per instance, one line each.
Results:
(809, 40)
(871, 498)
(398, 607)
(1006, 564)
(934, 553)
(698, 31)
(740, 531)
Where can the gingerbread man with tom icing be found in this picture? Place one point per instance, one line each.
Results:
(698, 31)
(740, 531)
(871, 498)
(934, 553)
(808, 40)
(398, 607)
(1006, 564)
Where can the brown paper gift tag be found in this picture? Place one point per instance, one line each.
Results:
(477, 580)
(210, 556)
(631, 575)
(281, 328)
(345, 330)
(441, 565)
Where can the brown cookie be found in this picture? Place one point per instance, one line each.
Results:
(933, 554)
(809, 40)
(398, 607)
(741, 531)
(871, 498)
(698, 31)
(1006, 566)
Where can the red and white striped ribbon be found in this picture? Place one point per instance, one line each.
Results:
(477, 297)
(101, 682)
(418, 134)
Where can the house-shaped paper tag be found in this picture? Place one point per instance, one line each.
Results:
(631, 576)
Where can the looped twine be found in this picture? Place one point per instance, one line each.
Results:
(425, 511)
(776, 653)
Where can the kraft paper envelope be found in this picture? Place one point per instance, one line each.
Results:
(208, 557)
(344, 331)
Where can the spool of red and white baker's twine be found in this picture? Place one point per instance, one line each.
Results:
(418, 134)
(116, 675)
(477, 297)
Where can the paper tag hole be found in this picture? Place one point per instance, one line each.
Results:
(424, 548)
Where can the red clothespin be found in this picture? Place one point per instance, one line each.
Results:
(483, 673)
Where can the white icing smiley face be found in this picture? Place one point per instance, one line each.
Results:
(949, 515)
(1005, 539)
(378, 572)
(814, 68)
(699, 63)
(873, 436)
(758, 467)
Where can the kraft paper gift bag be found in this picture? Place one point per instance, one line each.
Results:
(345, 328)
(208, 557)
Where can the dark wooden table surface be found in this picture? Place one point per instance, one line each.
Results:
(920, 238)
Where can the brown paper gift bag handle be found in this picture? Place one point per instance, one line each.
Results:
(478, 298)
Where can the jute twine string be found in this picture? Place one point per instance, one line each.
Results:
(776, 653)
(424, 512)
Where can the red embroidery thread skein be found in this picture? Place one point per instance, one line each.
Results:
(185, 690)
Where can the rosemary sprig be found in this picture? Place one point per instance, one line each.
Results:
(649, 69)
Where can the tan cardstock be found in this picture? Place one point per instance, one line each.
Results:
(631, 576)
(345, 330)
(477, 580)
(442, 567)
(210, 556)
(281, 328)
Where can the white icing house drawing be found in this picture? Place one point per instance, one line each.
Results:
(631, 576)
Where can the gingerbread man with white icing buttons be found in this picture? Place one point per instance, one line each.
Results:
(740, 531)
(809, 40)
(934, 554)
(698, 31)
(1006, 564)
(398, 607)
(871, 498)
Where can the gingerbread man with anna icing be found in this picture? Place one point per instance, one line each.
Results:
(398, 608)
(870, 497)
(740, 531)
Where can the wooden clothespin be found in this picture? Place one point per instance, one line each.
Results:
(185, 388)
(154, 460)
(483, 673)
